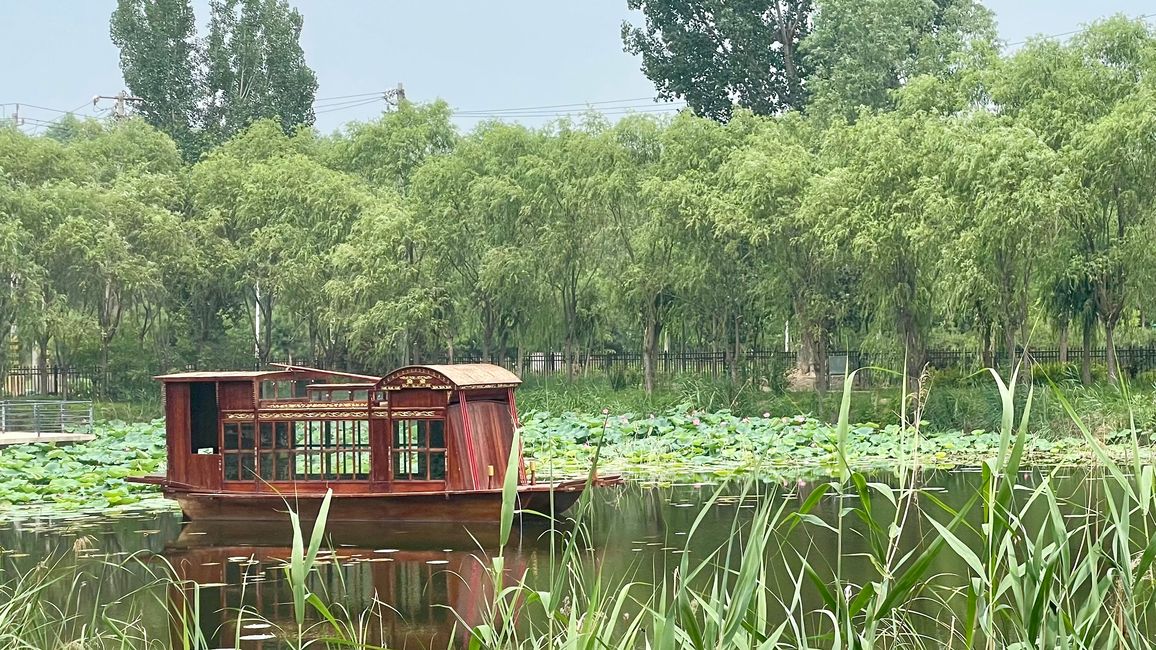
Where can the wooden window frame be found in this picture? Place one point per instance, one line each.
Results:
(427, 451)
(324, 441)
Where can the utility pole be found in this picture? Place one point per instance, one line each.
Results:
(120, 103)
(395, 96)
(16, 119)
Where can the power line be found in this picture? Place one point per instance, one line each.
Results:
(350, 102)
(535, 108)
(612, 109)
(376, 93)
(623, 110)
(1071, 33)
(346, 107)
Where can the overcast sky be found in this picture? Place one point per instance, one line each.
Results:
(484, 58)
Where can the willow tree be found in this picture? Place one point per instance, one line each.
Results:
(565, 222)
(299, 211)
(688, 189)
(19, 271)
(388, 151)
(1004, 200)
(780, 195)
(649, 228)
(387, 288)
(886, 166)
(233, 268)
(1113, 163)
(472, 205)
(1090, 99)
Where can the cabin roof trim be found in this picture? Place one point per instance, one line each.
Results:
(202, 375)
(276, 373)
(464, 376)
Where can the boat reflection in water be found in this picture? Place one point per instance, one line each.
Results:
(405, 585)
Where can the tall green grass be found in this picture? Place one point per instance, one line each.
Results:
(1018, 565)
(1021, 574)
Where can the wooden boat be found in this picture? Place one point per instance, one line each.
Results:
(423, 443)
(416, 585)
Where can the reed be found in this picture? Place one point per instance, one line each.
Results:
(1023, 575)
(1011, 568)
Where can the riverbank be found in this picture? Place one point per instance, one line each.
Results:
(666, 446)
(949, 403)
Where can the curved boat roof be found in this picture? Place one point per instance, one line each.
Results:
(460, 375)
(468, 375)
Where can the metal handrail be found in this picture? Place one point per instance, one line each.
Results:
(38, 417)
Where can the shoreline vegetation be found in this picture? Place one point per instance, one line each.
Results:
(1006, 569)
(658, 439)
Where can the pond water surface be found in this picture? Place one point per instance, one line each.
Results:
(432, 578)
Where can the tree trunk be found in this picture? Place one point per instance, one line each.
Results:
(822, 361)
(734, 365)
(105, 344)
(987, 353)
(1009, 342)
(1064, 327)
(1086, 356)
(913, 346)
(650, 335)
(42, 363)
(1110, 345)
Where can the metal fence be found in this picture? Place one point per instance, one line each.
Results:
(1132, 361)
(63, 381)
(70, 382)
(38, 416)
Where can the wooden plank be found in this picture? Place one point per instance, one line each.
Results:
(204, 470)
(177, 430)
(236, 395)
(9, 438)
(417, 398)
(493, 432)
(458, 475)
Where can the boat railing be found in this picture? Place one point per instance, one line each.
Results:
(45, 416)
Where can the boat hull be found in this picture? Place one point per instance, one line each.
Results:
(475, 506)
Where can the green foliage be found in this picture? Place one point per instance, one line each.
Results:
(977, 201)
(715, 53)
(201, 92)
(83, 476)
(861, 52)
(1030, 575)
(159, 58)
(679, 442)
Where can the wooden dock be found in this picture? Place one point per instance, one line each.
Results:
(10, 438)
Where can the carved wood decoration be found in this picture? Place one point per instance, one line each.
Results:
(421, 378)
(471, 403)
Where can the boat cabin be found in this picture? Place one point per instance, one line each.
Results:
(293, 430)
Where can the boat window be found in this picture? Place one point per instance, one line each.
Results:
(240, 444)
(419, 450)
(360, 395)
(339, 396)
(285, 389)
(301, 388)
(301, 450)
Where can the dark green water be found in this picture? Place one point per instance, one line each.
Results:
(433, 578)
